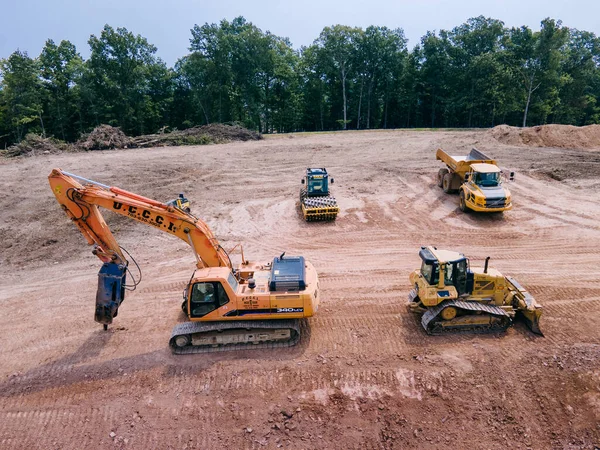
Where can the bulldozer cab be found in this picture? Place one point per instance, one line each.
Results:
(455, 270)
(317, 182)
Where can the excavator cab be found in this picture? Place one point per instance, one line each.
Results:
(206, 296)
(317, 182)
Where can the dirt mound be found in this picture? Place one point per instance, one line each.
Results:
(36, 145)
(214, 133)
(104, 137)
(562, 136)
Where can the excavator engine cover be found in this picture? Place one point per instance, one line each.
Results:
(288, 274)
(111, 291)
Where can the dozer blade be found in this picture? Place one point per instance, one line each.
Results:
(532, 320)
(528, 309)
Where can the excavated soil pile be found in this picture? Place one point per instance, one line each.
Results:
(561, 136)
(104, 137)
(34, 145)
(215, 133)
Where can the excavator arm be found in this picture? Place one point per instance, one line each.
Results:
(81, 198)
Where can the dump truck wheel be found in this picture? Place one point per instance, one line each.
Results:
(463, 202)
(440, 176)
(447, 182)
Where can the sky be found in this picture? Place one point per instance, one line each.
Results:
(27, 24)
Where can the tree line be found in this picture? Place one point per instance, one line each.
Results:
(478, 74)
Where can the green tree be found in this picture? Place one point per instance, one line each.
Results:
(580, 80)
(236, 72)
(336, 48)
(126, 83)
(380, 56)
(21, 94)
(60, 69)
(535, 59)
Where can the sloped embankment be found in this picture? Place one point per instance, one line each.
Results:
(561, 136)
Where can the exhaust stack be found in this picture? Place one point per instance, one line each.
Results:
(485, 267)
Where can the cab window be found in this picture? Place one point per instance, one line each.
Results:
(487, 179)
(430, 272)
(206, 297)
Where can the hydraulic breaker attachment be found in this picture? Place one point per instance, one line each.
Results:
(111, 291)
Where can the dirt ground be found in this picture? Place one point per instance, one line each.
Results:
(365, 375)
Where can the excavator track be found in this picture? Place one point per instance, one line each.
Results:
(210, 337)
(476, 317)
(318, 208)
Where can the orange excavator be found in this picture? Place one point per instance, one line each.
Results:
(251, 306)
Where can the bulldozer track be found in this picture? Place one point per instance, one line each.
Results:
(429, 324)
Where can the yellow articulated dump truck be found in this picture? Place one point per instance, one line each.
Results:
(477, 179)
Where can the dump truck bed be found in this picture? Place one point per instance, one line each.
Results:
(462, 164)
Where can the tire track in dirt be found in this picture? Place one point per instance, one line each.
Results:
(363, 345)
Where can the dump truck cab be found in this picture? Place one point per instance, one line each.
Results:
(317, 182)
(483, 190)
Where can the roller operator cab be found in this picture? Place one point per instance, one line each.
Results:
(453, 296)
(317, 182)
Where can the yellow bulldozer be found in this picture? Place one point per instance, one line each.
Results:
(453, 296)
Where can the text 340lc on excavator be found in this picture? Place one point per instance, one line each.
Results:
(251, 306)
(453, 296)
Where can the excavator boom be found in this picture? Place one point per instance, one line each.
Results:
(81, 203)
(81, 198)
